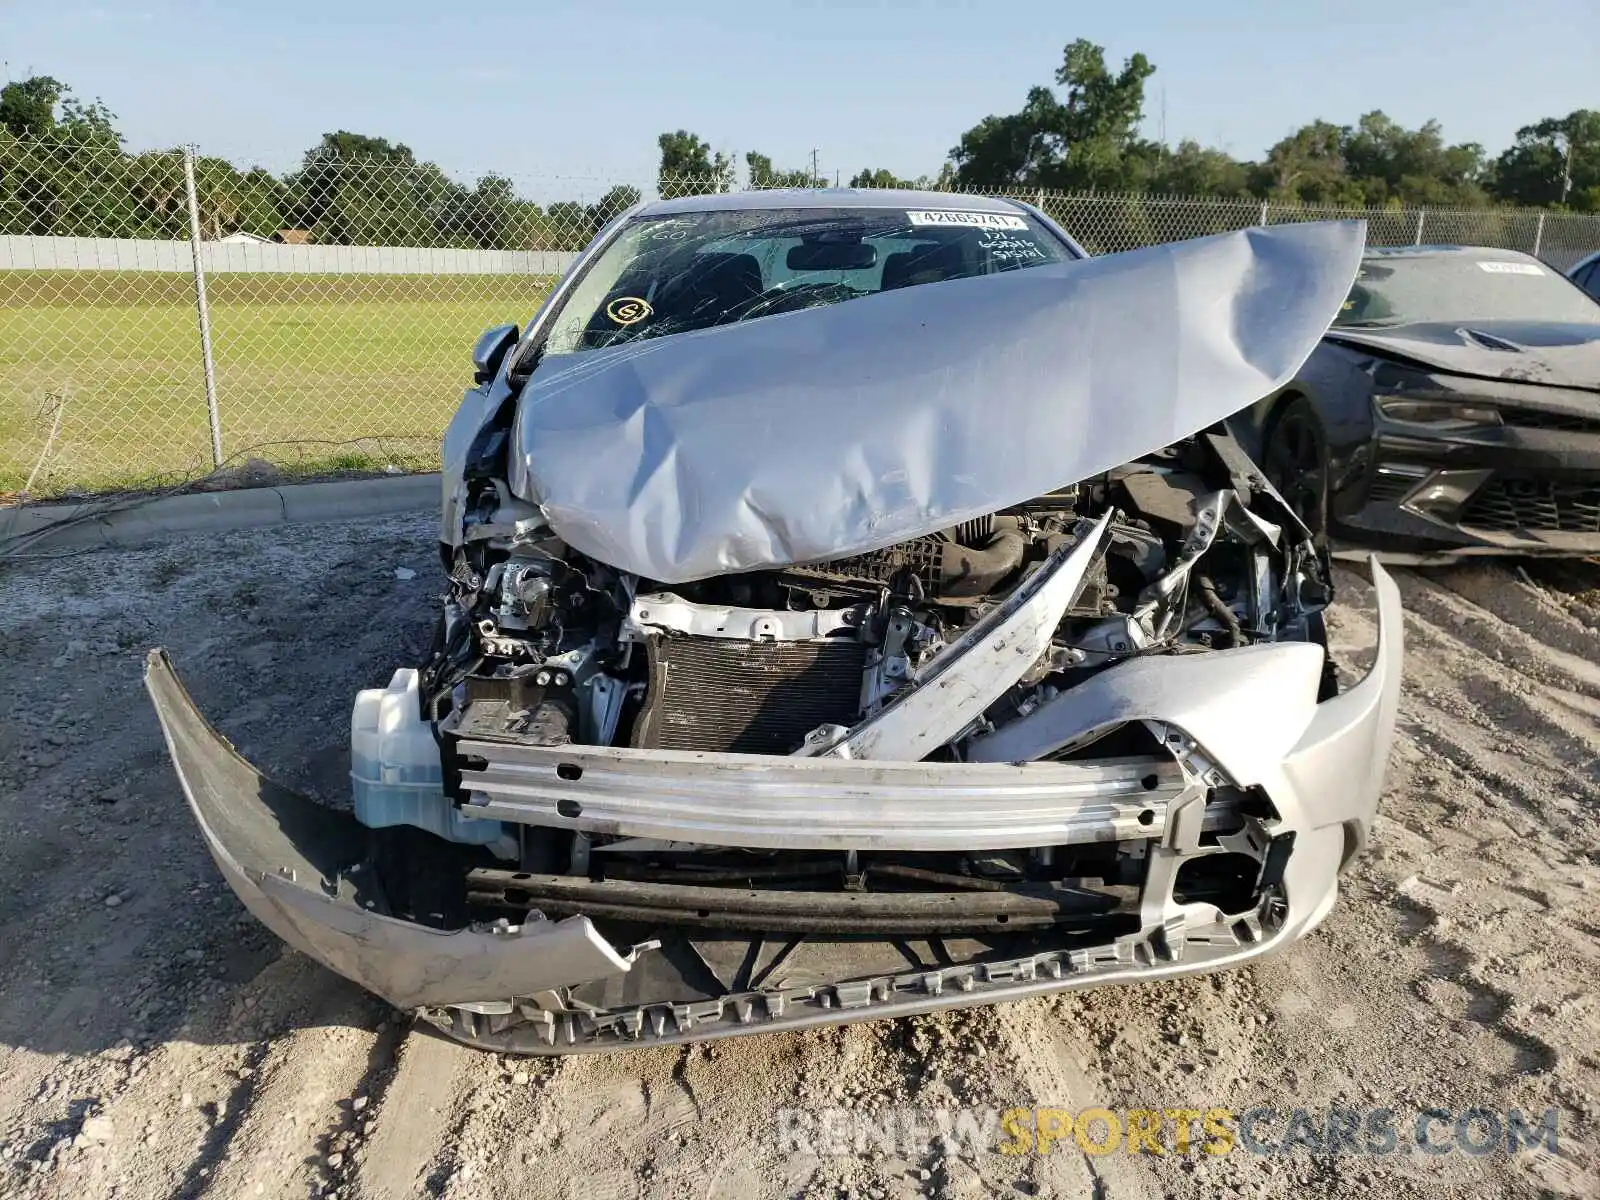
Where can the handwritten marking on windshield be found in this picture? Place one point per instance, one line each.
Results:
(1003, 247)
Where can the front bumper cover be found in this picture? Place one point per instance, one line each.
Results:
(1244, 717)
(1425, 495)
(300, 869)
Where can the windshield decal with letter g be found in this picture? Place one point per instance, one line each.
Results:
(628, 310)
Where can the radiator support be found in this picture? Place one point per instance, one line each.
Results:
(723, 694)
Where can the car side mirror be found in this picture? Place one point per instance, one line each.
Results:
(490, 350)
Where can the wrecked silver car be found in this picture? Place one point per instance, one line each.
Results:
(856, 606)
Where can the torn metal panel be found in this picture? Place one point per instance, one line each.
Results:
(1338, 764)
(1254, 711)
(973, 672)
(297, 866)
(1247, 707)
(847, 428)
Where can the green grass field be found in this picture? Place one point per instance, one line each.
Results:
(312, 360)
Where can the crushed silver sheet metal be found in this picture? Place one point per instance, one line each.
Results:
(970, 674)
(846, 428)
(300, 869)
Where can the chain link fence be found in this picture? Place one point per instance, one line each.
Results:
(163, 315)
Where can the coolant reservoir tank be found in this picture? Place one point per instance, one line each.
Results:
(395, 774)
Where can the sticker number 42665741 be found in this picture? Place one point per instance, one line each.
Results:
(975, 220)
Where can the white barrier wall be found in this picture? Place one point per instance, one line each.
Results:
(28, 253)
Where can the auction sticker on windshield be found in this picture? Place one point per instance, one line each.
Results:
(1511, 268)
(977, 220)
(628, 310)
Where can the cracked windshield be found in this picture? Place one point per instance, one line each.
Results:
(702, 269)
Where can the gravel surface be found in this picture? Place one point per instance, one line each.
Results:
(155, 1041)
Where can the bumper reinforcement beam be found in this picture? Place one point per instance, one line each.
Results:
(773, 911)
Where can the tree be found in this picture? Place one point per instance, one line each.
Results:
(91, 124)
(1085, 134)
(155, 182)
(759, 167)
(490, 215)
(763, 175)
(342, 144)
(1535, 169)
(569, 223)
(353, 189)
(1020, 149)
(1412, 166)
(28, 106)
(1375, 163)
(1103, 113)
(1196, 170)
(682, 153)
(881, 178)
(610, 206)
(228, 200)
(688, 166)
(1082, 141)
(62, 169)
(28, 109)
(1308, 167)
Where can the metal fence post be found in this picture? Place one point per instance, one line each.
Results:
(1263, 220)
(1538, 235)
(1421, 215)
(202, 308)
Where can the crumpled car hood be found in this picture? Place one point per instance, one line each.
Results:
(837, 430)
(1557, 354)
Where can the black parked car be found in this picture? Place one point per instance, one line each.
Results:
(1586, 274)
(1453, 408)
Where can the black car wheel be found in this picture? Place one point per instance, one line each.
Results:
(1295, 459)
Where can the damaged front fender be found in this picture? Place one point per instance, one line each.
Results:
(304, 871)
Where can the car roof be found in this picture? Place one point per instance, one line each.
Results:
(1470, 253)
(840, 197)
(1583, 262)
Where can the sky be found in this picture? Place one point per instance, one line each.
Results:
(567, 97)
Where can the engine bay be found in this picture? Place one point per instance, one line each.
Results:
(548, 643)
(541, 646)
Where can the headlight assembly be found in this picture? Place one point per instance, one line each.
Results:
(1438, 414)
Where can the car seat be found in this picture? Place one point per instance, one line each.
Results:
(709, 288)
(691, 292)
(931, 262)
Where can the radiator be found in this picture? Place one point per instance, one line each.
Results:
(750, 697)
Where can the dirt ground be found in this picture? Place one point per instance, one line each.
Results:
(155, 1041)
